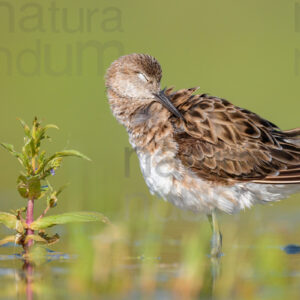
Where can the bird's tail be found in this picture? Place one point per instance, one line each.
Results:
(290, 142)
(293, 136)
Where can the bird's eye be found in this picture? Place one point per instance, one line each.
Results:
(142, 77)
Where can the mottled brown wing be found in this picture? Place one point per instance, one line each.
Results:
(222, 142)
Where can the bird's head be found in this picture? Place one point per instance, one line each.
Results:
(134, 76)
(135, 80)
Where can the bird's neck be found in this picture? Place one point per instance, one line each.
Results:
(150, 128)
(146, 121)
(122, 107)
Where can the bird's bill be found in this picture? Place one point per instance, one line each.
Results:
(166, 102)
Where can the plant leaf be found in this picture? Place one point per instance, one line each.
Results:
(34, 188)
(52, 198)
(68, 153)
(41, 133)
(51, 126)
(8, 239)
(18, 155)
(25, 126)
(9, 220)
(10, 149)
(54, 161)
(36, 238)
(81, 216)
(49, 239)
(20, 226)
(29, 188)
(22, 186)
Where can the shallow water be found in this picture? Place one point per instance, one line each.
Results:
(166, 260)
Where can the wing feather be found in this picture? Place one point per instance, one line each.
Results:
(222, 142)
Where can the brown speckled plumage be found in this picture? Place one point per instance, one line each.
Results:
(207, 138)
(220, 141)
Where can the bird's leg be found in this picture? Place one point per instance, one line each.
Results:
(216, 241)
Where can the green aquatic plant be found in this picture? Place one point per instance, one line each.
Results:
(33, 185)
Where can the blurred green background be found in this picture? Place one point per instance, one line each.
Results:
(53, 57)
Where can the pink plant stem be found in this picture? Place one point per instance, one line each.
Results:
(28, 268)
(44, 213)
(29, 220)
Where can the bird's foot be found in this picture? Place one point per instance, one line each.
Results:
(216, 245)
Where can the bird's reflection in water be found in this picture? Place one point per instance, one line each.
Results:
(210, 277)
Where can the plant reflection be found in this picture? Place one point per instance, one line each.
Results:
(143, 259)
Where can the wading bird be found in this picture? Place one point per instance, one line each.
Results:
(201, 152)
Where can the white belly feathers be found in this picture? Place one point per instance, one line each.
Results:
(169, 179)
